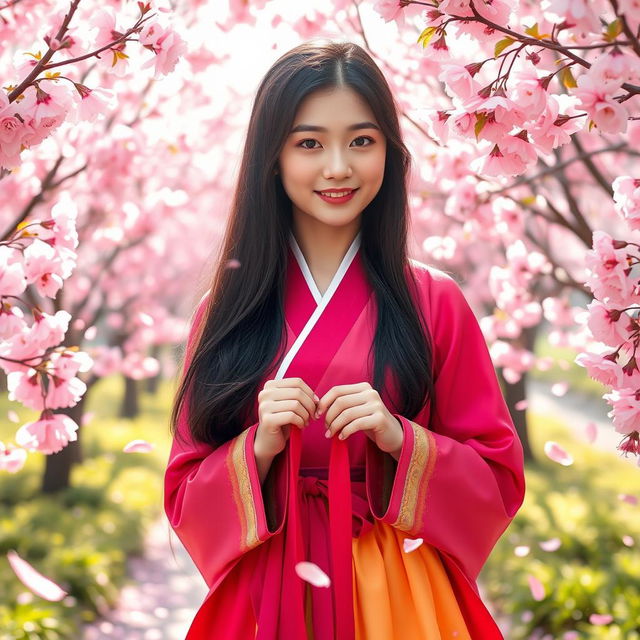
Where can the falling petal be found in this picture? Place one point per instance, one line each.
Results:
(138, 446)
(591, 431)
(527, 616)
(559, 388)
(626, 497)
(597, 618)
(551, 545)
(13, 416)
(556, 453)
(411, 545)
(628, 540)
(564, 364)
(87, 417)
(33, 580)
(570, 635)
(313, 574)
(521, 405)
(522, 551)
(233, 263)
(536, 587)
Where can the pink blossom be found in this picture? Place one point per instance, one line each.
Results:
(608, 325)
(505, 111)
(529, 94)
(94, 103)
(458, 81)
(630, 8)
(577, 12)
(597, 100)
(11, 323)
(498, 163)
(103, 20)
(625, 413)
(613, 68)
(107, 360)
(13, 281)
(438, 125)
(66, 364)
(12, 459)
(558, 312)
(392, 10)
(169, 47)
(42, 267)
(514, 361)
(552, 130)
(463, 123)
(50, 434)
(600, 368)
(626, 194)
(606, 271)
(520, 146)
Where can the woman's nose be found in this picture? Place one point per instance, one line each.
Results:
(337, 166)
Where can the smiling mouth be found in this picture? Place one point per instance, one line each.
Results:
(337, 194)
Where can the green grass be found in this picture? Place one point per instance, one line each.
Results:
(593, 571)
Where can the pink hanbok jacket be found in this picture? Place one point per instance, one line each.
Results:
(457, 484)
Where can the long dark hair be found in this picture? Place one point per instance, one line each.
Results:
(242, 327)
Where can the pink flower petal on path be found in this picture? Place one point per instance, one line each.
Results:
(521, 405)
(592, 432)
(138, 446)
(536, 587)
(598, 619)
(522, 551)
(559, 388)
(33, 580)
(551, 545)
(556, 453)
(628, 540)
(411, 544)
(313, 574)
(628, 498)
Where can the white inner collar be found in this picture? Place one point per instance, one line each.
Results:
(339, 274)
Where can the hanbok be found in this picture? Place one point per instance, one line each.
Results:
(347, 506)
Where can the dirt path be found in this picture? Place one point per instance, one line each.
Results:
(164, 595)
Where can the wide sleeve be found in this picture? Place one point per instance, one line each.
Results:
(213, 497)
(458, 481)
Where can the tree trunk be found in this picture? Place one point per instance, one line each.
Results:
(130, 405)
(57, 472)
(514, 393)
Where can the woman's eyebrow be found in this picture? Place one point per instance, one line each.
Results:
(351, 127)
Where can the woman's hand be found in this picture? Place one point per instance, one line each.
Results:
(358, 407)
(282, 404)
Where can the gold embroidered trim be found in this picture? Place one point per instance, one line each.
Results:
(242, 493)
(412, 502)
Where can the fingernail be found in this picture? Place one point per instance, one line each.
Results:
(316, 414)
(315, 397)
(327, 434)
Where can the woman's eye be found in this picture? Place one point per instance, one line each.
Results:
(364, 138)
(307, 140)
(371, 141)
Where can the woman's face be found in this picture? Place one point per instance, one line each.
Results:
(325, 150)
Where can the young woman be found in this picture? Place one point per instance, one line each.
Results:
(327, 326)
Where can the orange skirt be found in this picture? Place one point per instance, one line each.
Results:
(398, 594)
